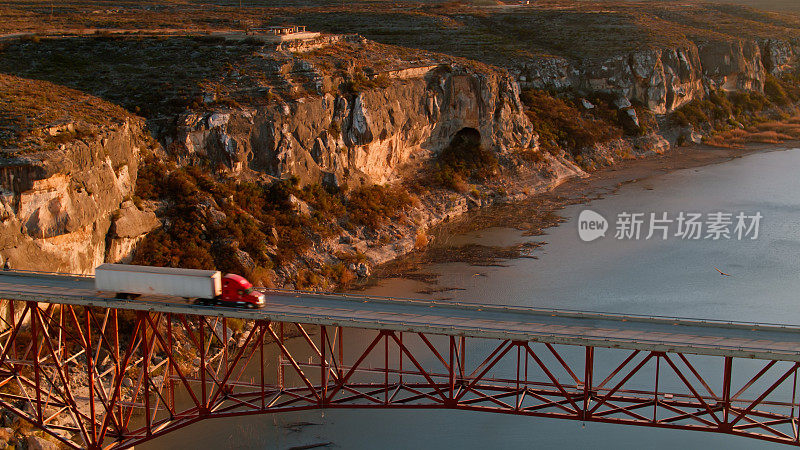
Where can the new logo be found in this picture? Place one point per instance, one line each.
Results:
(591, 225)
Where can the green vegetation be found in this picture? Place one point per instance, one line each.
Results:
(468, 29)
(148, 76)
(561, 124)
(249, 228)
(29, 108)
(775, 92)
(359, 81)
(721, 107)
(464, 160)
(374, 205)
(158, 77)
(735, 118)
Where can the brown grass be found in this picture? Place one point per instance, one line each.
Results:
(773, 132)
(421, 239)
(27, 107)
(475, 29)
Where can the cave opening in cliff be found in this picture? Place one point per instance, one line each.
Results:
(465, 159)
(466, 138)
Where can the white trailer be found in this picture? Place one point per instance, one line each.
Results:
(124, 279)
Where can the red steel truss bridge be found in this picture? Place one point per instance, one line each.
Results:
(98, 372)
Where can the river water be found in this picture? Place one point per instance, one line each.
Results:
(672, 277)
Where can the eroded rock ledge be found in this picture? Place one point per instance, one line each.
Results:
(366, 137)
(58, 202)
(70, 207)
(664, 79)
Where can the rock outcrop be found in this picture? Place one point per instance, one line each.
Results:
(665, 79)
(69, 209)
(367, 136)
(56, 206)
(129, 226)
(779, 56)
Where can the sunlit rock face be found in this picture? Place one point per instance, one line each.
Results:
(664, 79)
(365, 137)
(57, 207)
(733, 66)
(779, 56)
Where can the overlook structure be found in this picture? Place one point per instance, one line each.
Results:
(283, 33)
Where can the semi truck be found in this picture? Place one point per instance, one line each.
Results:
(204, 287)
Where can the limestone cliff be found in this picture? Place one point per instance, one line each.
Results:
(366, 136)
(664, 79)
(352, 113)
(58, 201)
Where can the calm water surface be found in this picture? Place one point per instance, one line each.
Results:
(673, 277)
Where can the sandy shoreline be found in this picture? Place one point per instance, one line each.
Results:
(538, 212)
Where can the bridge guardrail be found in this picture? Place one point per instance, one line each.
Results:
(565, 313)
(639, 343)
(40, 273)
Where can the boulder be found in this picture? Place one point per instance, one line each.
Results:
(362, 270)
(39, 443)
(299, 205)
(131, 222)
(632, 116)
(622, 103)
(7, 438)
(689, 134)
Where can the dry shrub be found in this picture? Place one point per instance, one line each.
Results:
(769, 137)
(738, 137)
(184, 359)
(375, 205)
(354, 258)
(236, 325)
(463, 160)
(421, 240)
(261, 277)
(562, 123)
(728, 139)
(306, 279)
(792, 130)
(339, 274)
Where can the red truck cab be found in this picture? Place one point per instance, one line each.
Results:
(237, 290)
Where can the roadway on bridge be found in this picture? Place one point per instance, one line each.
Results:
(760, 341)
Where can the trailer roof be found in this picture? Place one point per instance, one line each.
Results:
(158, 270)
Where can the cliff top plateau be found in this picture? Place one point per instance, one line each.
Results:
(489, 31)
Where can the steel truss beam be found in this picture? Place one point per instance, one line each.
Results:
(106, 378)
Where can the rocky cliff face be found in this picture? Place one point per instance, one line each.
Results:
(665, 79)
(369, 136)
(70, 209)
(60, 209)
(322, 120)
(779, 56)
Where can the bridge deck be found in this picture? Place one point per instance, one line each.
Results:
(739, 339)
